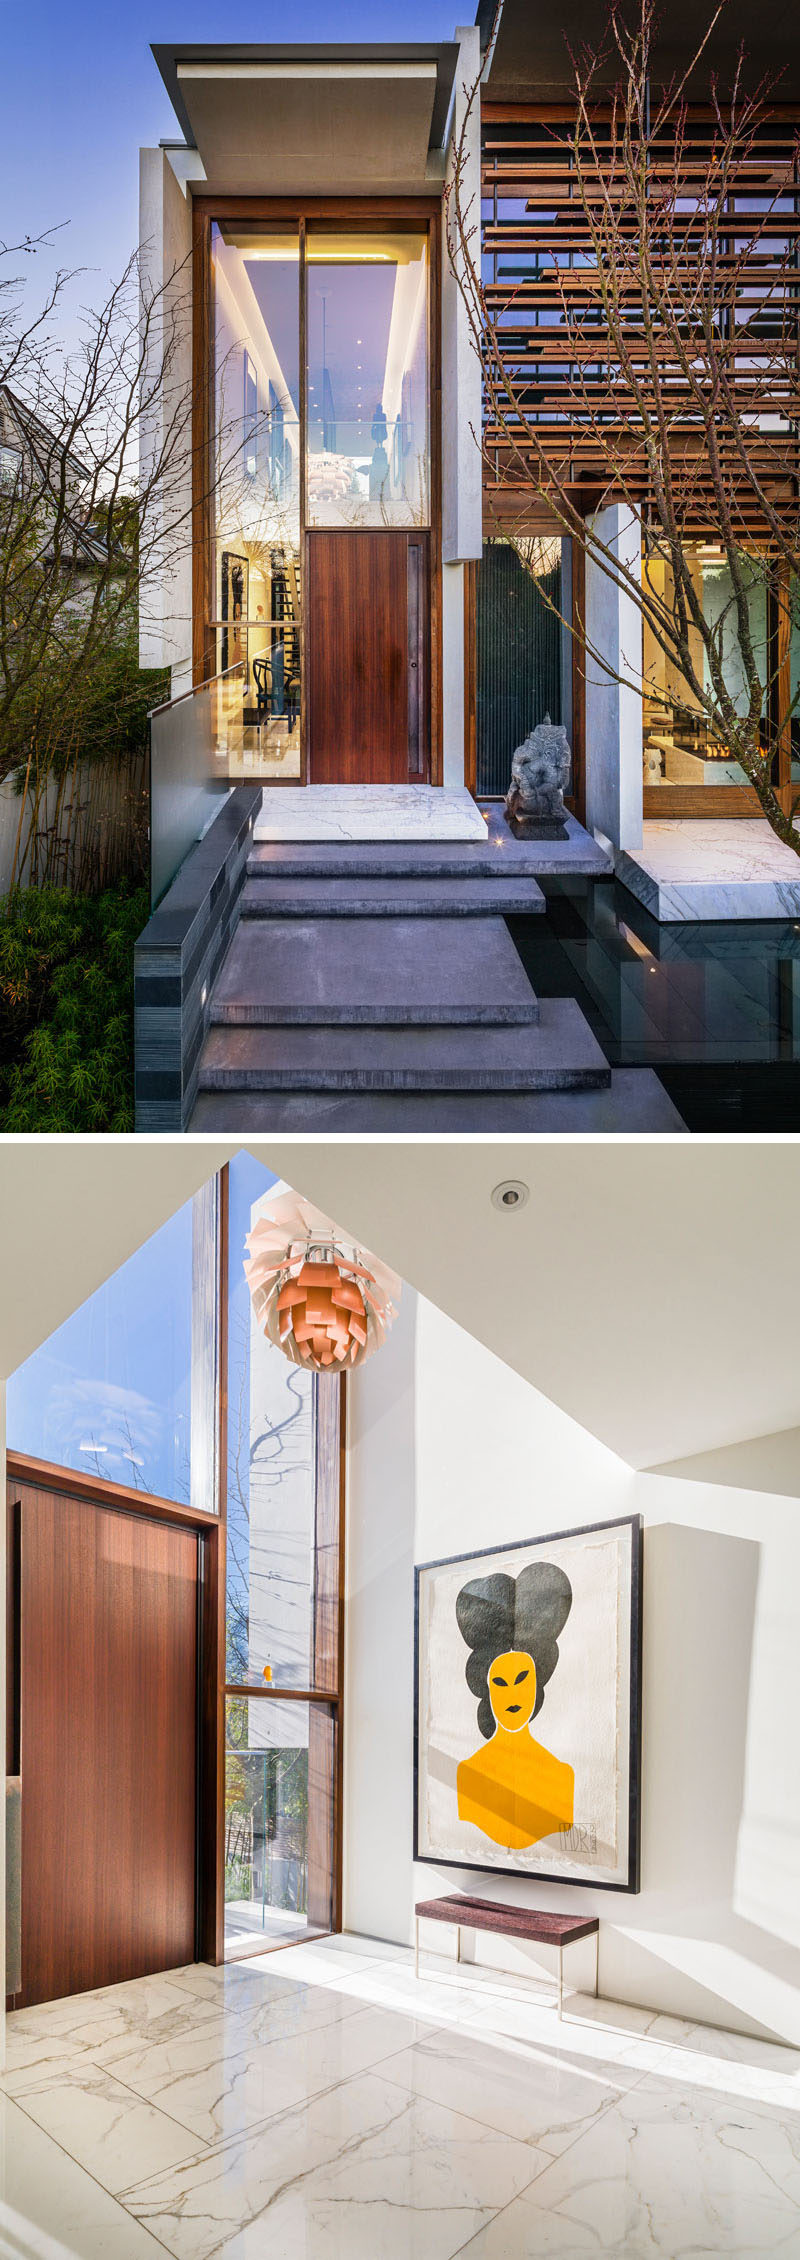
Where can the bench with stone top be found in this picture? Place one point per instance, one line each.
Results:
(509, 1922)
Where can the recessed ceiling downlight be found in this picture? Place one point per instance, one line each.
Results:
(510, 1195)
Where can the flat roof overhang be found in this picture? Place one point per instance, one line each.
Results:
(335, 121)
(532, 57)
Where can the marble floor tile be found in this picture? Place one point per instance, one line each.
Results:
(223, 2026)
(363, 2173)
(55, 2032)
(666, 2175)
(215, 2084)
(104, 2126)
(44, 2195)
(527, 2092)
(314, 1964)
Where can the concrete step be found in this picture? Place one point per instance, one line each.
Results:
(399, 898)
(379, 972)
(633, 1101)
(559, 1053)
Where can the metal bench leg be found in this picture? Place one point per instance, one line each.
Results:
(458, 1942)
(596, 1961)
(560, 1979)
(416, 1946)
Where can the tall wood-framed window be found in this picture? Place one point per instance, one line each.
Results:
(159, 1400)
(317, 394)
(283, 1621)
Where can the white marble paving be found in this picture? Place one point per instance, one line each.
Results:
(323, 2104)
(711, 868)
(361, 2170)
(369, 812)
(47, 2200)
(666, 2176)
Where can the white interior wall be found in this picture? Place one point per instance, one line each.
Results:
(450, 1450)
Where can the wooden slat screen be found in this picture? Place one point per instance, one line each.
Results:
(540, 283)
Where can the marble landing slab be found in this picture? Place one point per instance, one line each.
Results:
(369, 812)
(667, 2175)
(364, 2172)
(710, 869)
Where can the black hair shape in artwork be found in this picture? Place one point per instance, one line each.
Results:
(495, 1614)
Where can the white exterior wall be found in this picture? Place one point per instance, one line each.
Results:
(450, 1450)
(461, 374)
(614, 707)
(165, 246)
(462, 502)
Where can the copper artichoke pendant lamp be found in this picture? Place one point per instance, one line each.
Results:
(318, 1296)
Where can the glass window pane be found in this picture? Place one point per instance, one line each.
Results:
(678, 747)
(367, 379)
(520, 651)
(279, 1776)
(256, 327)
(271, 1475)
(115, 1391)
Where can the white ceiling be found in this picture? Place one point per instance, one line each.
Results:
(650, 1290)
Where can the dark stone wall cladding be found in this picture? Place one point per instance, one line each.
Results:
(177, 960)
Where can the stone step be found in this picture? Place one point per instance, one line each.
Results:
(632, 1101)
(399, 898)
(375, 972)
(501, 858)
(559, 1053)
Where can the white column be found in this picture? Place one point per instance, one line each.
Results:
(614, 707)
(462, 499)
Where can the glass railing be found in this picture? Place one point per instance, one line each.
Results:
(195, 746)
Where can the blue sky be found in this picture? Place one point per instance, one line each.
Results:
(81, 91)
(110, 1391)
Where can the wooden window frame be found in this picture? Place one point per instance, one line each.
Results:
(355, 211)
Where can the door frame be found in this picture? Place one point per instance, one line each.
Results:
(26, 1475)
(357, 211)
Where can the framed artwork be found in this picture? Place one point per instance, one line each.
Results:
(528, 1707)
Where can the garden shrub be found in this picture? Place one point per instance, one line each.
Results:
(66, 1008)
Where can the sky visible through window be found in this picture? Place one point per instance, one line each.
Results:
(109, 1392)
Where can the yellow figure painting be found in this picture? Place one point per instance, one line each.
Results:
(512, 1788)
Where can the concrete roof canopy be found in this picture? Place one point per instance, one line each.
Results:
(311, 120)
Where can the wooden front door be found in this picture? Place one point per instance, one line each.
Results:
(107, 1694)
(367, 659)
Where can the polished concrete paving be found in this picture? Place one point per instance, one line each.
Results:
(712, 868)
(323, 2104)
